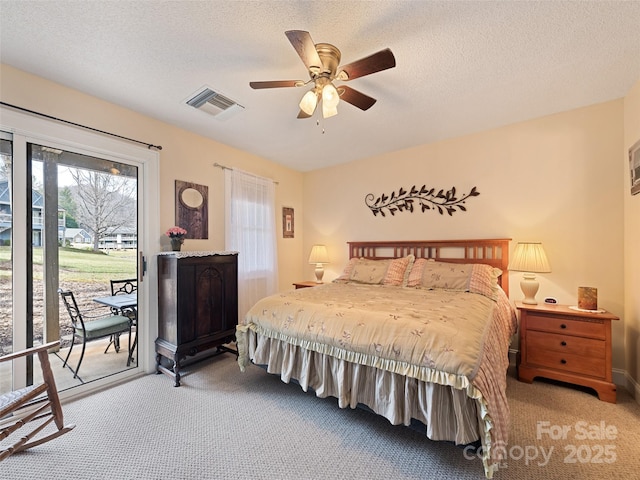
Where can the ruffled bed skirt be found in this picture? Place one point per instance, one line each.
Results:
(447, 413)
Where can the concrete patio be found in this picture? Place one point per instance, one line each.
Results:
(96, 364)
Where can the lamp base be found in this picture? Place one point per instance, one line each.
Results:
(529, 286)
(319, 272)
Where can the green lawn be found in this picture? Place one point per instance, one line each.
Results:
(82, 265)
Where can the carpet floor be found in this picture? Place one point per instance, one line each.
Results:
(222, 423)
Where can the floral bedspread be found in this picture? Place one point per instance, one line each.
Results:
(452, 338)
(432, 335)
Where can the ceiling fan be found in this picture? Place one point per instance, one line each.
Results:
(322, 61)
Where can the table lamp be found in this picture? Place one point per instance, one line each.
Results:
(529, 257)
(319, 256)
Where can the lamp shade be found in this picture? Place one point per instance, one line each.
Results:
(529, 257)
(309, 102)
(330, 100)
(319, 254)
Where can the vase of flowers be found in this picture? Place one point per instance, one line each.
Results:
(176, 234)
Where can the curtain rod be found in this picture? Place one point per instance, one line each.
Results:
(224, 167)
(148, 145)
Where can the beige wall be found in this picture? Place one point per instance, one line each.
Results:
(632, 244)
(555, 179)
(184, 156)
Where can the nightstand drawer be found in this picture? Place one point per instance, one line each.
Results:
(589, 347)
(568, 362)
(562, 343)
(567, 326)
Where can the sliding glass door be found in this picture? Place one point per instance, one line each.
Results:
(70, 221)
(6, 259)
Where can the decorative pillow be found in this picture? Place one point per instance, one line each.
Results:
(452, 276)
(386, 271)
(346, 273)
(369, 271)
(398, 271)
(468, 277)
(415, 275)
(484, 280)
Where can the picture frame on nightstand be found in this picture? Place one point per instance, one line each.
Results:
(634, 167)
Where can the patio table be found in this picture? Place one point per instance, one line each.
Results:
(123, 303)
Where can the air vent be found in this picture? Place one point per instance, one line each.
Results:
(214, 103)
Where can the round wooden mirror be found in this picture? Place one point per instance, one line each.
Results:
(191, 198)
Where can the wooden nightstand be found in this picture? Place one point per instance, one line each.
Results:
(305, 284)
(563, 344)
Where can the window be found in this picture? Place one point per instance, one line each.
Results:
(250, 229)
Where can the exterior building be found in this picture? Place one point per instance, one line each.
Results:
(119, 239)
(77, 237)
(116, 238)
(37, 219)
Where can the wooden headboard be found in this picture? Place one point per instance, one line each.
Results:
(494, 252)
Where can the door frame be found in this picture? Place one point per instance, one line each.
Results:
(27, 128)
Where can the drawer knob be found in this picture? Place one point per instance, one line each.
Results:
(563, 361)
(563, 343)
(562, 325)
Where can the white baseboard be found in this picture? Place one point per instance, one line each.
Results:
(630, 384)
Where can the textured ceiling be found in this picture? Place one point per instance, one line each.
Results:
(462, 67)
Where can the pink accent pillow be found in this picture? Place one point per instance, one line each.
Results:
(415, 276)
(398, 271)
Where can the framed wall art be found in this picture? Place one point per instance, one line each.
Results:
(634, 167)
(287, 222)
(192, 212)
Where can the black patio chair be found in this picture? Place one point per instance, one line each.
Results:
(128, 285)
(94, 327)
(122, 287)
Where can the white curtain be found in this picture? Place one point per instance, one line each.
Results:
(250, 229)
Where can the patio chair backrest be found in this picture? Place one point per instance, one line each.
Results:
(72, 307)
(119, 287)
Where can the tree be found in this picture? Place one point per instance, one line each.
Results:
(104, 202)
(5, 167)
(66, 201)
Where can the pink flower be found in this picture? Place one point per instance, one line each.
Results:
(176, 232)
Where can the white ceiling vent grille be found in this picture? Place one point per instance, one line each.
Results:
(214, 103)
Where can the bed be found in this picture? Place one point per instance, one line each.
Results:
(415, 331)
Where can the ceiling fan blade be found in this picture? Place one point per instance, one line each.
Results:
(377, 62)
(302, 114)
(306, 49)
(277, 84)
(355, 98)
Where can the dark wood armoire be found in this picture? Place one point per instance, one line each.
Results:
(197, 306)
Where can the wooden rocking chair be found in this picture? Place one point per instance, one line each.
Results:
(47, 412)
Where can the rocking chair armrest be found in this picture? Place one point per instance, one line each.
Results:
(29, 351)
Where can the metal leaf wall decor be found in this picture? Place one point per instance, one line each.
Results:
(427, 199)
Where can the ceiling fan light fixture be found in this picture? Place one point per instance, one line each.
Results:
(323, 66)
(328, 110)
(330, 100)
(330, 96)
(309, 102)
